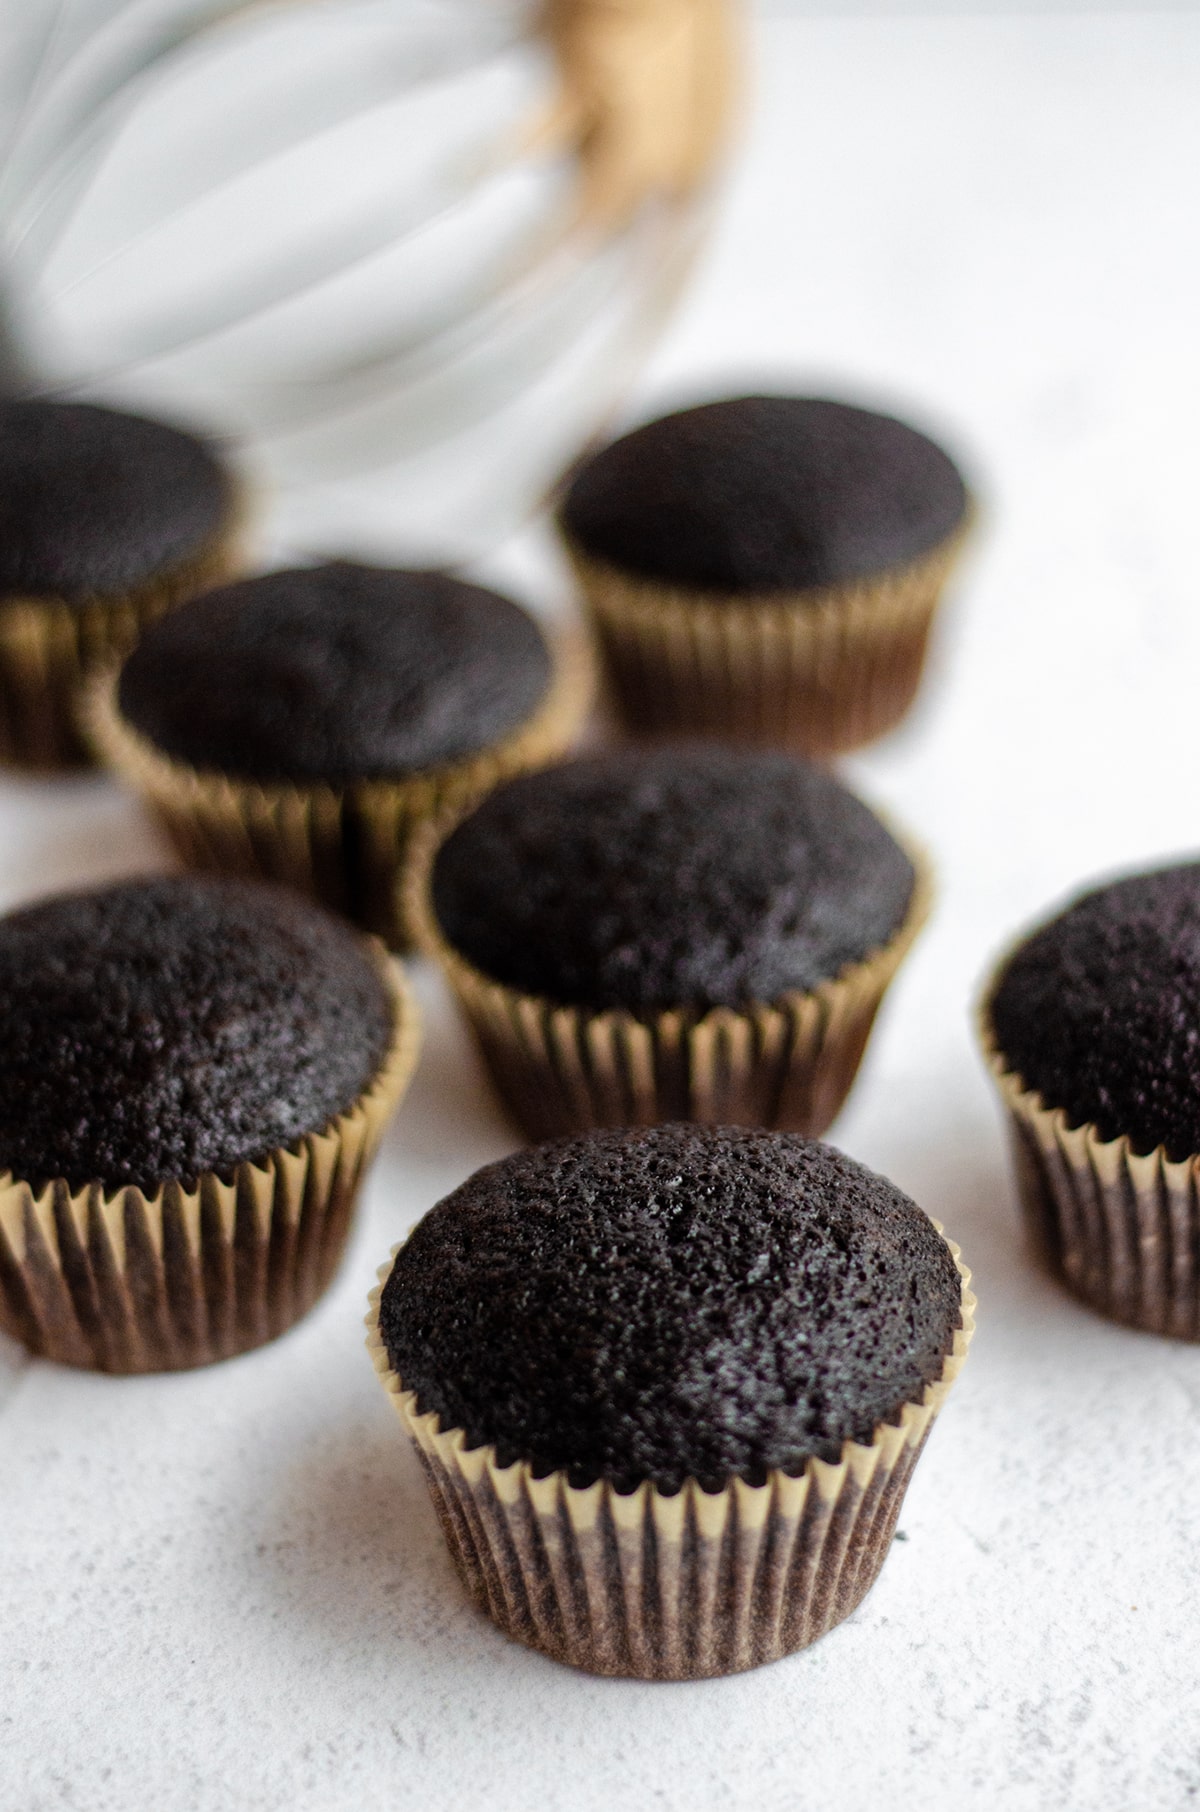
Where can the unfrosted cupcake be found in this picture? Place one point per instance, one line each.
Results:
(668, 1388)
(1092, 1030)
(193, 1074)
(680, 933)
(106, 519)
(765, 569)
(300, 725)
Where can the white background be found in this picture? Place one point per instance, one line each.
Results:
(227, 1590)
(901, 9)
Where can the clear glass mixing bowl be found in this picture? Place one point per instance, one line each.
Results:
(311, 225)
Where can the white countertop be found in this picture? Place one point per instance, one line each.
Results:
(227, 1590)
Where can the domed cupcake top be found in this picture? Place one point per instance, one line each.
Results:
(337, 673)
(168, 1027)
(1099, 1011)
(683, 1301)
(763, 494)
(94, 502)
(679, 877)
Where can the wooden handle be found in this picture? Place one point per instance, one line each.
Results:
(646, 96)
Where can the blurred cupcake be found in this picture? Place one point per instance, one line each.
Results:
(668, 1388)
(1092, 1031)
(766, 569)
(106, 520)
(683, 933)
(299, 726)
(193, 1074)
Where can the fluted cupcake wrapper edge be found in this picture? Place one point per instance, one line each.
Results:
(50, 649)
(1121, 1229)
(787, 1064)
(346, 846)
(119, 1281)
(661, 1586)
(819, 672)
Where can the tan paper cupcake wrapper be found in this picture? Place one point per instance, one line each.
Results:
(561, 1069)
(50, 649)
(118, 1281)
(1121, 1230)
(347, 847)
(819, 672)
(674, 1587)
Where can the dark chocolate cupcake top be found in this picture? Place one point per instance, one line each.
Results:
(684, 1301)
(680, 877)
(335, 673)
(94, 502)
(765, 494)
(169, 1027)
(1099, 1011)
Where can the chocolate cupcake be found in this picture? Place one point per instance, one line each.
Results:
(1090, 1028)
(193, 1074)
(765, 569)
(299, 725)
(680, 933)
(668, 1388)
(106, 519)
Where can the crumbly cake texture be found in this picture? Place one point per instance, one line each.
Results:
(1099, 1011)
(681, 1301)
(164, 1028)
(688, 877)
(335, 673)
(764, 494)
(94, 503)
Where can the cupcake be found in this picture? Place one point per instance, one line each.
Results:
(668, 1387)
(106, 519)
(1091, 1030)
(679, 933)
(766, 569)
(299, 725)
(193, 1074)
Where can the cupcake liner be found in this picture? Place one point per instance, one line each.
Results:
(787, 1064)
(118, 1281)
(49, 649)
(1120, 1229)
(819, 672)
(346, 847)
(677, 1587)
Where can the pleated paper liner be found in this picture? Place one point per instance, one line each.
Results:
(50, 649)
(118, 1281)
(1121, 1230)
(345, 846)
(676, 1587)
(788, 1064)
(818, 672)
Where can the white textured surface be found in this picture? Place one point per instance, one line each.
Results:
(227, 1590)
